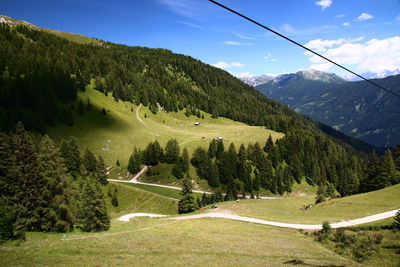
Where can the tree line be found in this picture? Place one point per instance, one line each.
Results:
(49, 187)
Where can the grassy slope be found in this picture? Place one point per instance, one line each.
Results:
(133, 200)
(160, 242)
(114, 135)
(288, 208)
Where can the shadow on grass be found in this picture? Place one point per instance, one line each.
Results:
(301, 262)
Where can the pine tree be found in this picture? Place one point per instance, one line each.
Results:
(134, 162)
(69, 150)
(177, 171)
(220, 150)
(101, 171)
(8, 183)
(29, 190)
(57, 215)
(94, 215)
(212, 149)
(187, 203)
(396, 156)
(114, 198)
(387, 173)
(90, 161)
(269, 145)
(321, 193)
(185, 160)
(172, 151)
(396, 223)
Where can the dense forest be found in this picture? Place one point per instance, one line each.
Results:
(275, 167)
(49, 187)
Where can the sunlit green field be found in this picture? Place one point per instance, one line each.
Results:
(114, 135)
(161, 242)
(288, 209)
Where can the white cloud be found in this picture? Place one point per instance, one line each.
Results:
(225, 65)
(324, 3)
(371, 56)
(270, 57)
(341, 16)
(242, 36)
(346, 24)
(236, 43)
(320, 45)
(288, 28)
(191, 25)
(364, 16)
(193, 9)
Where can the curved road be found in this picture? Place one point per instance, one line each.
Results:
(354, 222)
(135, 181)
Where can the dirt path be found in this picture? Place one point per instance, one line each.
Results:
(137, 115)
(134, 180)
(372, 218)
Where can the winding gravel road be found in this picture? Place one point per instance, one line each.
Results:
(372, 218)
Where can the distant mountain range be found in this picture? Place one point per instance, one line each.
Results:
(358, 109)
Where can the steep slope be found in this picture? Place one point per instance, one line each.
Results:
(358, 109)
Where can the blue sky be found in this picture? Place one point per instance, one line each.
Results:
(362, 34)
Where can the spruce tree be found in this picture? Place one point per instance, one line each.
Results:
(396, 223)
(57, 215)
(8, 183)
(69, 150)
(185, 160)
(114, 198)
(94, 215)
(101, 171)
(172, 151)
(29, 190)
(220, 150)
(134, 163)
(187, 203)
(387, 173)
(90, 161)
(396, 156)
(177, 170)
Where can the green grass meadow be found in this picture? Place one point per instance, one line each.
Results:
(116, 134)
(288, 209)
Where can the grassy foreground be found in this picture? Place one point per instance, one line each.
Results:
(288, 209)
(161, 242)
(114, 135)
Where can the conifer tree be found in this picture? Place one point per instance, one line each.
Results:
(396, 156)
(396, 223)
(90, 161)
(29, 191)
(172, 151)
(8, 183)
(212, 149)
(220, 150)
(134, 162)
(94, 215)
(387, 173)
(269, 145)
(114, 198)
(57, 215)
(101, 171)
(187, 203)
(185, 160)
(177, 170)
(69, 150)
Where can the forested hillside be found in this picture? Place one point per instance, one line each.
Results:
(42, 74)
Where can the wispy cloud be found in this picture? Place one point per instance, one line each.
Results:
(346, 24)
(341, 16)
(225, 65)
(243, 36)
(397, 18)
(365, 16)
(324, 4)
(237, 43)
(191, 25)
(193, 9)
(287, 28)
